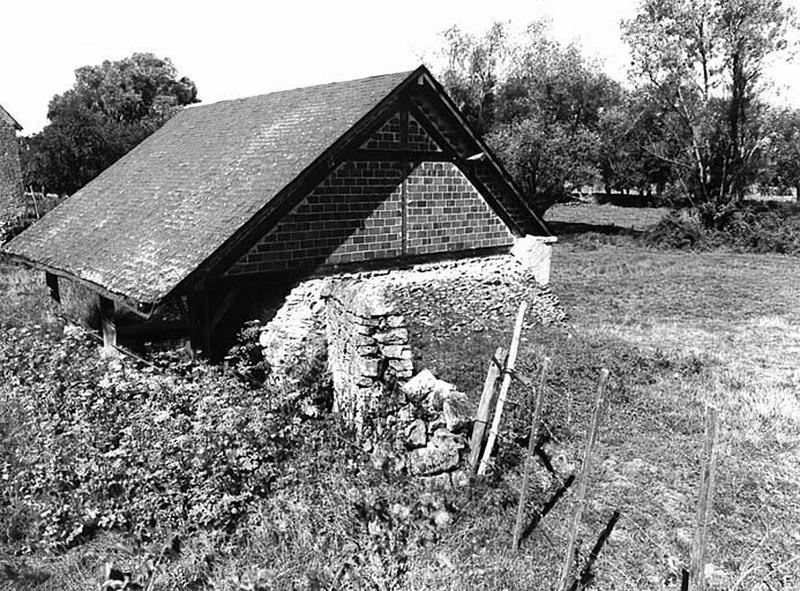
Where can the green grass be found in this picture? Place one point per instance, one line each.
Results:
(677, 331)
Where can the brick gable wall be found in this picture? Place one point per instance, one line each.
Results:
(388, 137)
(10, 175)
(371, 211)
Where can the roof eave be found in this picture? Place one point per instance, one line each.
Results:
(140, 308)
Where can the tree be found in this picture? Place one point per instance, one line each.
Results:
(109, 110)
(702, 62)
(471, 71)
(784, 149)
(538, 103)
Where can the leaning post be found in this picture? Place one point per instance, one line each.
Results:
(583, 481)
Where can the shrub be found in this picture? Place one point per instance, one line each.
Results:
(743, 226)
(92, 444)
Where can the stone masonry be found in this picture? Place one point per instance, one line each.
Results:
(367, 347)
(368, 321)
(10, 175)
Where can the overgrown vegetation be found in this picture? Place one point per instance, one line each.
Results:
(105, 460)
(744, 227)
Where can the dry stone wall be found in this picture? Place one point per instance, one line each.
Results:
(367, 347)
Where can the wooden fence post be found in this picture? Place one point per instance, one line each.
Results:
(703, 516)
(501, 398)
(583, 479)
(533, 436)
(482, 417)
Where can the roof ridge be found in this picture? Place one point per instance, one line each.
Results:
(404, 73)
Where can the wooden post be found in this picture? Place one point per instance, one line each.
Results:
(533, 436)
(703, 516)
(580, 497)
(199, 322)
(501, 398)
(52, 283)
(482, 417)
(109, 327)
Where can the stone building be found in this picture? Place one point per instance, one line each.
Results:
(232, 202)
(10, 174)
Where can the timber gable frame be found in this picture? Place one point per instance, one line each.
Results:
(201, 287)
(403, 100)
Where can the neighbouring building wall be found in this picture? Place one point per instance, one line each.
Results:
(10, 173)
(367, 211)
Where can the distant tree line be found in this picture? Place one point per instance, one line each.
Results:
(692, 125)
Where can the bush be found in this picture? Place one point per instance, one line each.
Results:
(743, 226)
(89, 444)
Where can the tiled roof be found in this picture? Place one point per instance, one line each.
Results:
(148, 221)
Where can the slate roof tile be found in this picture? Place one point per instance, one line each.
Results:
(149, 220)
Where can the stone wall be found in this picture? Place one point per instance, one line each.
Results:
(11, 201)
(367, 347)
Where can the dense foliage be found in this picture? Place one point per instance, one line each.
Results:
(92, 444)
(747, 227)
(109, 110)
(693, 124)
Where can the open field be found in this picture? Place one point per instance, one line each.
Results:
(676, 330)
(590, 214)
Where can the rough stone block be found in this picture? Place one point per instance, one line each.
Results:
(418, 387)
(393, 351)
(439, 455)
(392, 336)
(457, 411)
(395, 321)
(416, 434)
(534, 254)
(369, 366)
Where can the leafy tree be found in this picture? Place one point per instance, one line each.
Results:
(784, 149)
(537, 101)
(701, 62)
(546, 158)
(109, 110)
(471, 71)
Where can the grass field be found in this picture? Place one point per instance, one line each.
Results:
(676, 330)
(590, 214)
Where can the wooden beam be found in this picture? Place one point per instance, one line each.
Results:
(199, 325)
(484, 406)
(703, 516)
(466, 168)
(504, 386)
(533, 435)
(404, 128)
(223, 307)
(153, 329)
(400, 156)
(583, 480)
(109, 326)
(52, 283)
